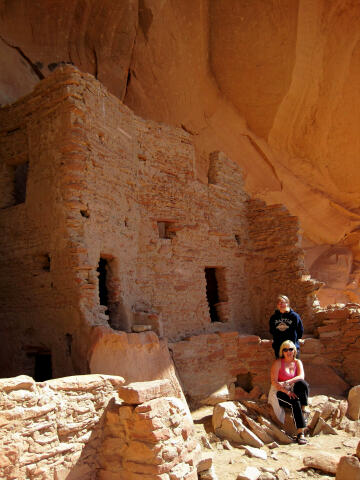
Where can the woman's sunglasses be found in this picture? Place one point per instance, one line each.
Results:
(288, 349)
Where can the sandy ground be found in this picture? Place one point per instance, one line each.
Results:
(229, 463)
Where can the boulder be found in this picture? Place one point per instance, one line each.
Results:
(324, 380)
(205, 462)
(255, 452)
(322, 427)
(274, 431)
(228, 424)
(257, 429)
(353, 411)
(140, 392)
(348, 469)
(251, 473)
(322, 461)
(208, 474)
(221, 395)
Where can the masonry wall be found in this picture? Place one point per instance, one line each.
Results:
(208, 362)
(104, 184)
(137, 175)
(338, 341)
(276, 266)
(38, 294)
(80, 428)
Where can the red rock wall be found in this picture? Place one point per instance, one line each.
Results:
(208, 362)
(284, 111)
(52, 428)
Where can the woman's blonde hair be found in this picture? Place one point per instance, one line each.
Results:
(286, 344)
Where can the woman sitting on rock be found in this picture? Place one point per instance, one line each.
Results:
(288, 388)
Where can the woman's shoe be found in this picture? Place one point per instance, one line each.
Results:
(301, 440)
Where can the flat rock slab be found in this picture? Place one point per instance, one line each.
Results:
(322, 461)
(255, 452)
(251, 473)
(140, 392)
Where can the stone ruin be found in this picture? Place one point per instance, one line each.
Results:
(118, 262)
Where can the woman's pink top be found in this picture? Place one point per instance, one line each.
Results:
(283, 375)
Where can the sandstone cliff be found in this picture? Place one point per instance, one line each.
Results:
(272, 84)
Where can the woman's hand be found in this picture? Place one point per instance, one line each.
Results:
(291, 394)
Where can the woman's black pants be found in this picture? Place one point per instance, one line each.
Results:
(301, 390)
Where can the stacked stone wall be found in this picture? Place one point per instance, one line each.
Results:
(105, 184)
(207, 363)
(90, 427)
(39, 301)
(338, 342)
(277, 265)
(50, 429)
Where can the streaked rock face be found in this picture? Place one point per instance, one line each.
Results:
(272, 84)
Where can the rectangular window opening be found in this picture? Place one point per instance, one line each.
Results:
(46, 260)
(103, 283)
(20, 181)
(112, 308)
(13, 184)
(166, 230)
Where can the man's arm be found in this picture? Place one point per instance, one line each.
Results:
(299, 327)
(272, 328)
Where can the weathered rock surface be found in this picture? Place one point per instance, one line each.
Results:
(228, 424)
(140, 392)
(250, 473)
(348, 469)
(322, 461)
(353, 411)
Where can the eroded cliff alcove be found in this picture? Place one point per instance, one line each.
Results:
(167, 169)
(272, 84)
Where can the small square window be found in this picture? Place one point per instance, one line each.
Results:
(166, 230)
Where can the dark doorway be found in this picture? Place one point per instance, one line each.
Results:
(245, 381)
(43, 367)
(39, 364)
(216, 294)
(103, 282)
(111, 306)
(212, 293)
(20, 180)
